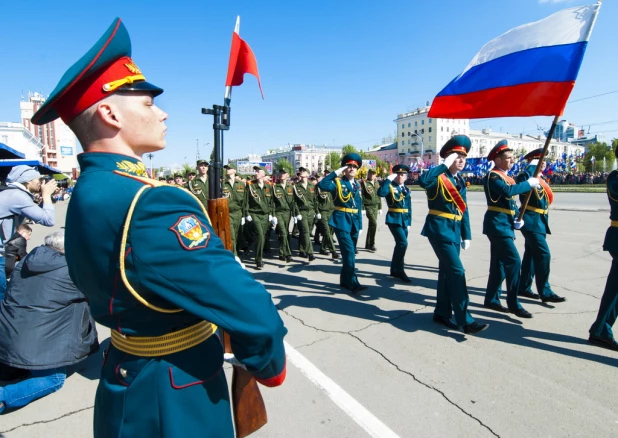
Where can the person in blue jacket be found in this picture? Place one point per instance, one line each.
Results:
(447, 227)
(347, 219)
(146, 256)
(398, 217)
(499, 225)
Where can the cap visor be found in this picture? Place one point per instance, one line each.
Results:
(142, 86)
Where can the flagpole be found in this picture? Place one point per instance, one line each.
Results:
(539, 166)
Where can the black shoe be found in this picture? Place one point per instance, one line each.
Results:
(497, 307)
(324, 252)
(302, 254)
(553, 299)
(259, 265)
(604, 342)
(402, 276)
(335, 255)
(358, 289)
(288, 259)
(445, 321)
(522, 313)
(311, 257)
(474, 328)
(282, 258)
(373, 248)
(529, 294)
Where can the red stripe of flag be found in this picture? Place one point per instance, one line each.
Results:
(242, 60)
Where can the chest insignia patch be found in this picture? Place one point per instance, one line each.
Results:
(192, 234)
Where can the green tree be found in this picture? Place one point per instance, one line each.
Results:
(614, 144)
(186, 168)
(333, 161)
(348, 149)
(283, 162)
(599, 151)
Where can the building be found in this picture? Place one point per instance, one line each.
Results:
(313, 158)
(250, 157)
(59, 142)
(386, 152)
(588, 140)
(17, 137)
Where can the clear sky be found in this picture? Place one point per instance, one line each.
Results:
(333, 71)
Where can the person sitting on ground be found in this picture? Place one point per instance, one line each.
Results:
(45, 324)
(15, 249)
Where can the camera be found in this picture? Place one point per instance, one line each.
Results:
(63, 184)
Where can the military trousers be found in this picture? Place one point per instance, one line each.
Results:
(372, 216)
(452, 293)
(347, 244)
(504, 262)
(261, 227)
(327, 243)
(535, 265)
(235, 229)
(305, 246)
(283, 231)
(401, 245)
(608, 309)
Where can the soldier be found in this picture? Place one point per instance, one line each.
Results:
(234, 191)
(259, 212)
(179, 180)
(447, 227)
(347, 219)
(190, 177)
(306, 211)
(170, 180)
(601, 331)
(499, 225)
(373, 207)
(142, 258)
(537, 256)
(199, 185)
(398, 217)
(284, 208)
(325, 209)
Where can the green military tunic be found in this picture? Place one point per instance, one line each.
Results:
(235, 194)
(372, 203)
(283, 203)
(259, 205)
(307, 207)
(326, 206)
(199, 188)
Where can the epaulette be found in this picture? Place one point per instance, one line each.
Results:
(149, 181)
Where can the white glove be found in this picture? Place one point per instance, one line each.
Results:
(465, 244)
(380, 212)
(391, 177)
(534, 183)
(519, 224)
(270, 218)
(274, 221)
(363, 211)
(318, 216)
(448, 161)
(360, 232)
(299, 217)
(242, 221)
(534, 163)
(340, 170)
(231, 359)
(408, 227)
(295, 220)
(249, 218)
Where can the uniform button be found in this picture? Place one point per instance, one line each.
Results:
(123, 373)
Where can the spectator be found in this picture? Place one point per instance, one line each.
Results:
(45, 324)
(15, 249)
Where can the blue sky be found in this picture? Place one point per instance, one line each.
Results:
(333, 72)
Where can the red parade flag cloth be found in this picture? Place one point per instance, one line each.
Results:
(242, 60)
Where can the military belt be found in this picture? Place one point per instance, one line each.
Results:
(347, 210)
(501, 210)
(451, 216)
(174, 342)
(536, 210)
(398, 210)
(614, 224)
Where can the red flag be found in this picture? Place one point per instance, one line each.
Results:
(242, 60)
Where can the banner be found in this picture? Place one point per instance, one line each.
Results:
(371, 164)
(66, 150)
(246, 167)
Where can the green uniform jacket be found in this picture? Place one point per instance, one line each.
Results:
(325, 201)
(284, 197)
(399, 198)
(259, 200)
(500, 193)
(535, 222)
(305, 198)
(351, 191)
(235, 195)
(611, 236)
(200, 189)
(370, 194)
(438, 227)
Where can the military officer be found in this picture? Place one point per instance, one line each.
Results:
(306, 211)
(537, 256)
(373, 207)
(447, 227)
(199, 186)
(143, 263)
(347, 219)
(259, 211)
(398, 217)
(499, 225)
(283, 201)
(601, 331)
(325, 209)
(234, 190)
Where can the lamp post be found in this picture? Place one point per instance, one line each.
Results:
(422, 149)
(151, 174)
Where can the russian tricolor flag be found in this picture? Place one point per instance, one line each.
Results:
(528, 71)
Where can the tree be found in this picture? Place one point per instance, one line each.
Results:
(348, 149)
(333, 161)
(283, 162)
(599, 151)
(186, 169)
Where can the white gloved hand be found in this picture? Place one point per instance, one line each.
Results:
(231, 359)
(465, 244)
(274, 221)
(391, 177)
(534, 162)
(295, 220)
(242, 221)
(270, 218)
(318, 216)
(408, 227)
(534, 183)
(360, 232)
(249, 218)
(380, 212)
(340, 170)
(519, 224)
(448, 161)
(299, 217)
(363, 211)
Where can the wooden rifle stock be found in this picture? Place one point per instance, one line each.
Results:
(247, 402)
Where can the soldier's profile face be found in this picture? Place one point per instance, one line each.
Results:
(143, 123)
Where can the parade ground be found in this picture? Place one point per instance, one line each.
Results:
(377, 365)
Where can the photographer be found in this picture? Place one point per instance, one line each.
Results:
(17, 203)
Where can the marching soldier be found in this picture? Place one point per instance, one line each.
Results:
(347, 219)
(259, 212)
(306, 211)
(283, 207)
(447, 227)
(234, 191)
(179, 180)
(142, 264)
(199, 185)
(325, 209)
(373, 207)
(190, 177)
(537, 256)
(601, 331)
(499, 225)
(398, 216)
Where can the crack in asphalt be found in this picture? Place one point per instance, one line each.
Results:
(576, 291)
(428, 386)
(565, 313)
(314, 342)
(68, 414)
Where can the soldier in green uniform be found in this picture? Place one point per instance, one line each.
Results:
(537, 257)
(179, 180)
(199, 186)
(306, 211)
(601, 331)
(373, 207)
(190, 177)
(326, 207)
(499, 224)
(284, 208)
(399, 216)
(146, 257)
(259, 211)
(447, 227)
(234, 191)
